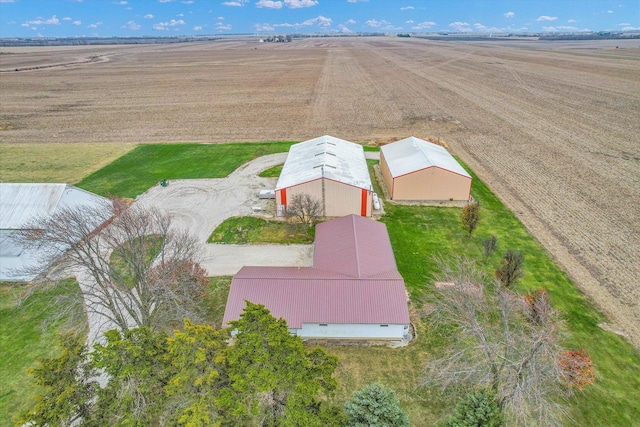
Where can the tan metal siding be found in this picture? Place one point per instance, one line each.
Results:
(386, 174)
(312, 188)
(431, 184)
(342, 199)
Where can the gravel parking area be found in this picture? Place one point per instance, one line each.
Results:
(200, 205)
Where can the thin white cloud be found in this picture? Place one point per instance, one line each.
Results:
(148, 16)
(546, 18)
(95, 25)
(66, 18)
(232, 3)
(410, 21)
(6, 1)
(350, 22)
(161, 26)
(187, 2)
(121, 2)
(625, 24)
(222, 27)
(269, 4)
(197, 28)
(462, 27)
(609, 11)
(43, 21)
(263, 27)
(320, 21)
(357, 1)
(509, 14)
(131, 25)
(374, 23)
(77, 22)
(297, 4)
(344, 29)
(572, 21)
(563, 28)
(478, 26)
(220, 18)
(407, 8)
(423, 25)
(631, 28)
(165, 1)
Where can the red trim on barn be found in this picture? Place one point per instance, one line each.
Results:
(363, 203)
(283, 197)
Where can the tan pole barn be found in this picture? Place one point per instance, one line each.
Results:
(414, 169)
(328, 169)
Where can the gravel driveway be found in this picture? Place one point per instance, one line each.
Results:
(200, 205)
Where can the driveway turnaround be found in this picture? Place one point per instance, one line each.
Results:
(200, 205)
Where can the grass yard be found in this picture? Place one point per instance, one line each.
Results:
(145, 166)
(249, 229)
(273, 172)
(419, 234)
(55, 162)
(23, 340)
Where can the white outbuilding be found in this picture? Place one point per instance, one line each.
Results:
(20, 205)
(328, 169)
(414, 169)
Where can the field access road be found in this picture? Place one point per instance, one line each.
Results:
(200, 205)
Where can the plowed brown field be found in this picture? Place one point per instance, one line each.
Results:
(553, 128)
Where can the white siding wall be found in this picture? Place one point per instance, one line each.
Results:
(351, 331)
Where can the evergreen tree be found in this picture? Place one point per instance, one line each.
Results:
(273, 377)
(479, 409)
(375, 406)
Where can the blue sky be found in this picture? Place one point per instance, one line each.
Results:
(107, 18)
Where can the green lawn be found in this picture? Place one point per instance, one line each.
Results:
(248, 229)
(420, 234)
(26, 334)
(273, 172)
(146, 165)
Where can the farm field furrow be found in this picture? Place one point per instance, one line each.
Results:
(551, 126)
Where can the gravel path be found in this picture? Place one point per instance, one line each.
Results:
(200, 205)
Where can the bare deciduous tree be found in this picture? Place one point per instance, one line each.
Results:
(510, 269)
(470, 217)
(490, 245)
(133, 267)
(304, 209)
(497, 347)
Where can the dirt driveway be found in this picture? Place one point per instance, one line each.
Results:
(200, 205)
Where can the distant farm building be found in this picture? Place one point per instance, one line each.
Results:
(353, 290)
(328, 169)
(20, 204)
(414, 169)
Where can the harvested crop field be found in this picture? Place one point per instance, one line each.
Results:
(551, 127)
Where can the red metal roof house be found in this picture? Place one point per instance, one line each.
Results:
(353, 290)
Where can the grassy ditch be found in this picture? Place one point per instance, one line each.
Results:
(27, 333)
(145, 166)
(248, 229)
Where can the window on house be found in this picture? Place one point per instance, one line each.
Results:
(322, 324)
(384, 326)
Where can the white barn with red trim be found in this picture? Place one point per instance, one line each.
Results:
(328, 169)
